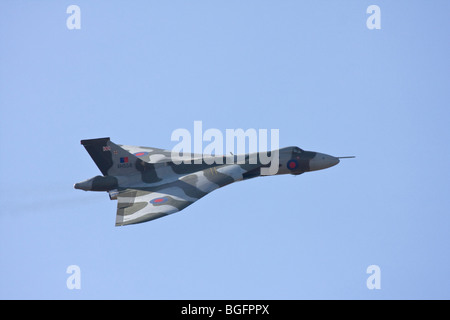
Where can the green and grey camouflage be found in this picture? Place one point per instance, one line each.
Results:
(148, 184)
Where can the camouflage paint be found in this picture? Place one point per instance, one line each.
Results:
(149, 185)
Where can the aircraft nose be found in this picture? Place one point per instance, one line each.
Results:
(322, 161)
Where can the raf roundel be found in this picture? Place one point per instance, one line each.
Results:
(292, 164)
(159, 200)
(140, 154)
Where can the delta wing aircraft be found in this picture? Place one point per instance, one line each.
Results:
(149, 183)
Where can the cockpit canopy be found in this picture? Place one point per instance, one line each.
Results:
(297, 151)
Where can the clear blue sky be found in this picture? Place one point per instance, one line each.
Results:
(312, 69)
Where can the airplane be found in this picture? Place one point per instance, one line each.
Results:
(149, 183)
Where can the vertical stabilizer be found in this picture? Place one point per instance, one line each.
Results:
(111, 159)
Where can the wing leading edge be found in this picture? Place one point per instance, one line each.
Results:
(144, 204)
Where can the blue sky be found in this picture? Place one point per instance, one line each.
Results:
(137, 71)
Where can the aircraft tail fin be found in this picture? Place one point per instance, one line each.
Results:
(111, 159)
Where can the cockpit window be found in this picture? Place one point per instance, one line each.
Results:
(297, 150)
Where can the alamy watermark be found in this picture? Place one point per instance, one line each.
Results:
(374, 20)
(190, 147)
(374, 280)
(74, 20)
(74, 280)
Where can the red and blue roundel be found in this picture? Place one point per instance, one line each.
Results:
(159, 200)
(292, 164)
(140, 154)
